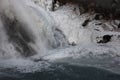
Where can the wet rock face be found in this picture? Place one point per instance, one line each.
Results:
(105, 39)
(108, 8)
(18, 36)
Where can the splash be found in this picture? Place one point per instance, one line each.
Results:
(28, 31)
(28, 28)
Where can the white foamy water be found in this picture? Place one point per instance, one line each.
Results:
(57, 37)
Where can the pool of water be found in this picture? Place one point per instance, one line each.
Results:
(60, 72)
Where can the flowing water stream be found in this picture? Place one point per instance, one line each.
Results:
(32, 47)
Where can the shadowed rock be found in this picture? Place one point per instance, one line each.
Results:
(85, 23)
(109, 9)
(106, 39)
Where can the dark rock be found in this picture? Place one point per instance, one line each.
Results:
(106, 39)
(86, 22)
(98, 17)
(98, 24)
(110, 9)
(119, 26)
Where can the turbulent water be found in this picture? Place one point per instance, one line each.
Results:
(34, 47)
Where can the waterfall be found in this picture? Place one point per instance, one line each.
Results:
(30, 37)
(28, 30)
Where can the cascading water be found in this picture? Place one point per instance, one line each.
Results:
(30, 37)
(29, 29)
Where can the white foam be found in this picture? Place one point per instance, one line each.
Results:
(40, 22)
(24, 65)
